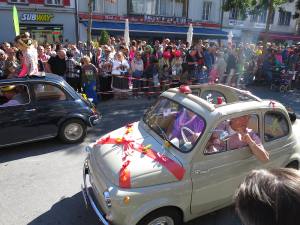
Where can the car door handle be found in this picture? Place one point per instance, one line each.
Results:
(30, 110)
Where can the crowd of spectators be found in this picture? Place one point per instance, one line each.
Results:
(143, 68)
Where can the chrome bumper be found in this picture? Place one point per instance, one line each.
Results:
(88, 197)
(94, 120)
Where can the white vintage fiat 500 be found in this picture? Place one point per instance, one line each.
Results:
(186, 156)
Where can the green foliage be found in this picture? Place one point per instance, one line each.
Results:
(251, 6)
(95, 43)
(104, 37)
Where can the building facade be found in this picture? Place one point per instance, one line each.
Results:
(48, 21)
(250, 29)
(153, 18)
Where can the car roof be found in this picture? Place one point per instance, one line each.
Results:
(238, 100)
(44, 77)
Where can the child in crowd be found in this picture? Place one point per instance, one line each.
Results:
(202, 75)
(89, 79)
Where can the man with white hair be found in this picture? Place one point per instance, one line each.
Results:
(3, 58)
(57, 64)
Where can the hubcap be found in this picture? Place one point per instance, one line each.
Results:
(164, 220)
(73, 131)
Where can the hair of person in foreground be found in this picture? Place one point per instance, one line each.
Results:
(269, 197)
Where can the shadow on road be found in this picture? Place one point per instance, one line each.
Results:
(33, 149)
(68, 211)
(226, 216)
(71, 211)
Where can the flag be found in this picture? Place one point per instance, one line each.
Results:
(16, 20)
(126, 33)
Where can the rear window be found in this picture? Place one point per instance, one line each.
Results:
(276, 126)
(48, 92)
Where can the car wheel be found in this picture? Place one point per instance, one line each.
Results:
(162, 217)
(72, 131)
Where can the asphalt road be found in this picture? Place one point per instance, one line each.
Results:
(40, 182)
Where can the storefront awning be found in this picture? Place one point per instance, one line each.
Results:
(163, 29)
(281, 36)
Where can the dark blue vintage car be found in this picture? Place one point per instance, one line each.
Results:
(37, 108)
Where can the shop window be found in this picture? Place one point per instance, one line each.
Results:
(166, 8)
(141, 7)
(180, 8)
(18, 1)
(276, 126)
(284, 18)
(236, 14)
(169, 8)
(43, 34)
(262, 17)
(111, 7)
(47, 92)
(206, 10)
(53, 2)
(259, 18)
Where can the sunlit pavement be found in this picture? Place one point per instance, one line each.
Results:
(40, 182)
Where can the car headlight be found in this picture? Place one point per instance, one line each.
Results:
(107, 198)
(88, 149)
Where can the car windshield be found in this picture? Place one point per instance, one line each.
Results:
(175, 123)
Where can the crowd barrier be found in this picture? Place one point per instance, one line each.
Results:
(148, 89)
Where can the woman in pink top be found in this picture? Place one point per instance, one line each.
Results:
(30, 57)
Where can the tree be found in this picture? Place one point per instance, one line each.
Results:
(255, 7)
(104, 37)
(90, 22)
(89, 27)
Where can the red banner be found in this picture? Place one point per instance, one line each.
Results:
(151, 20)
(124, 175)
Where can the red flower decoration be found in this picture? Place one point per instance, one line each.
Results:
(272, 103)
(185, 89)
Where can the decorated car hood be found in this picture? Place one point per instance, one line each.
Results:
(131, 158)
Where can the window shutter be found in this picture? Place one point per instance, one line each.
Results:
(66, 2)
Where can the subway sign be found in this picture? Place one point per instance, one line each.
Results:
(36, 17)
